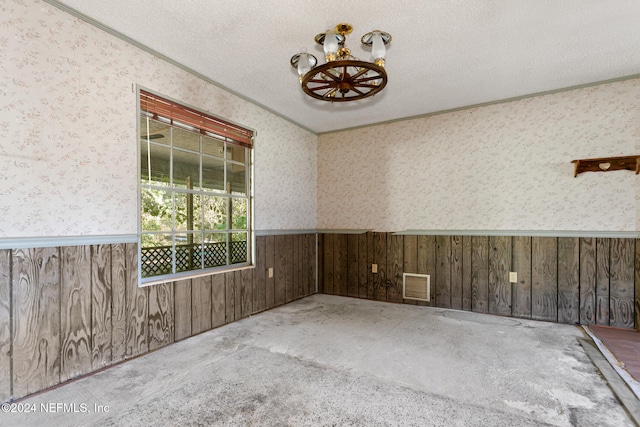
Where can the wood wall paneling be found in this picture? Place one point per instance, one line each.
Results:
(456, 272)
(36, 319)
(201, 304)
(371, 255)
(100, 306)
(75, 311)
(218, 300)
(637, 285)
(587, 280)
(137, 326)
(443, 271)
(161, 315)
(5, 325)
(297, 266)
(603, 247)
(119, 303)
(568, 280)
(182, 309)
(621, 283)
(427, 264)
(288, 267)
(270, 282)
(480, 274)
(544, 278)
(409, 260)
(353, 264)
(280, 271)
(499, 268)
(521, 290)
(466, 273)
(340, 264)
(310, 263)
(246, 295)
(380, 258)
(260, 276)
(395, 250)
(230, 297)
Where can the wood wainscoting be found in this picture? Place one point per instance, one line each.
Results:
(68, 311)
(571, 280)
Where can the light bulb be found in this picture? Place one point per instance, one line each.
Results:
(330, 46)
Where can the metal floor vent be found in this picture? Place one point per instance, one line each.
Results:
(416, 286)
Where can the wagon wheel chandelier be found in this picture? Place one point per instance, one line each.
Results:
(343, 77)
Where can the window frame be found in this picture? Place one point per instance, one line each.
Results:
(245, 141)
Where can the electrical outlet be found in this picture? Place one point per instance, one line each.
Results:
(374, 268)
(270, 272)
(513, 277)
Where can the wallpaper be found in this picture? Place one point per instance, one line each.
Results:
(500, 167)
(68, 131)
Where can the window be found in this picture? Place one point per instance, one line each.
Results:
(195, 190)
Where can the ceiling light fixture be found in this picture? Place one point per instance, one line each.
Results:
(343, 77)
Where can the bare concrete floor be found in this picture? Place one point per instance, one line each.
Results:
(328, 360)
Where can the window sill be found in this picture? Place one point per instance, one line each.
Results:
(150, 281)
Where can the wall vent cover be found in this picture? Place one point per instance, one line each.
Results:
(416, 286)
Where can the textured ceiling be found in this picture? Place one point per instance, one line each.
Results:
(445, 54)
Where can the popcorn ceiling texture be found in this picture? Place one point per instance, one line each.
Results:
(68, 139)
(499, 167)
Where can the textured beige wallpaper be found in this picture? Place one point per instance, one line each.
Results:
(500, 167)
(68, 131)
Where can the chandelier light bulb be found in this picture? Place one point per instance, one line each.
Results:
(330, 46)
(304, 65)
(378, 50)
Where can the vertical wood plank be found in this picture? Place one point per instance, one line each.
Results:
(308, 259)
(568, 280)
(637, 285)
(466, 273)
(395, 247)
(5, 325)
(119, 303)
(75, 311)
(603, 247)
(362, 265)
(229, 297)
(327, 268)
(289, 268)
(281, 269)
(443, 271)
(260, 276)
(270, 282)
(101, 302)
(544, 278)
(621, 300)
(218, 300)
(480, 274)
(237, 292)
(456, 272)
(427, 263)
(353, 253)
(587, 280)
(320, 249)
(380, 258)
(499, 267)
(201, 295)
(298, 258)
(371, 256)
(100, 306)
(161, 315)
(521, 298)
(182, 309)
(36, 320)
(138, 315)
(313, 264)
(409, 260)
(246, 297)
(340, 264)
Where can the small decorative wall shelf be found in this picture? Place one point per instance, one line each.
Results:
(606, 164)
